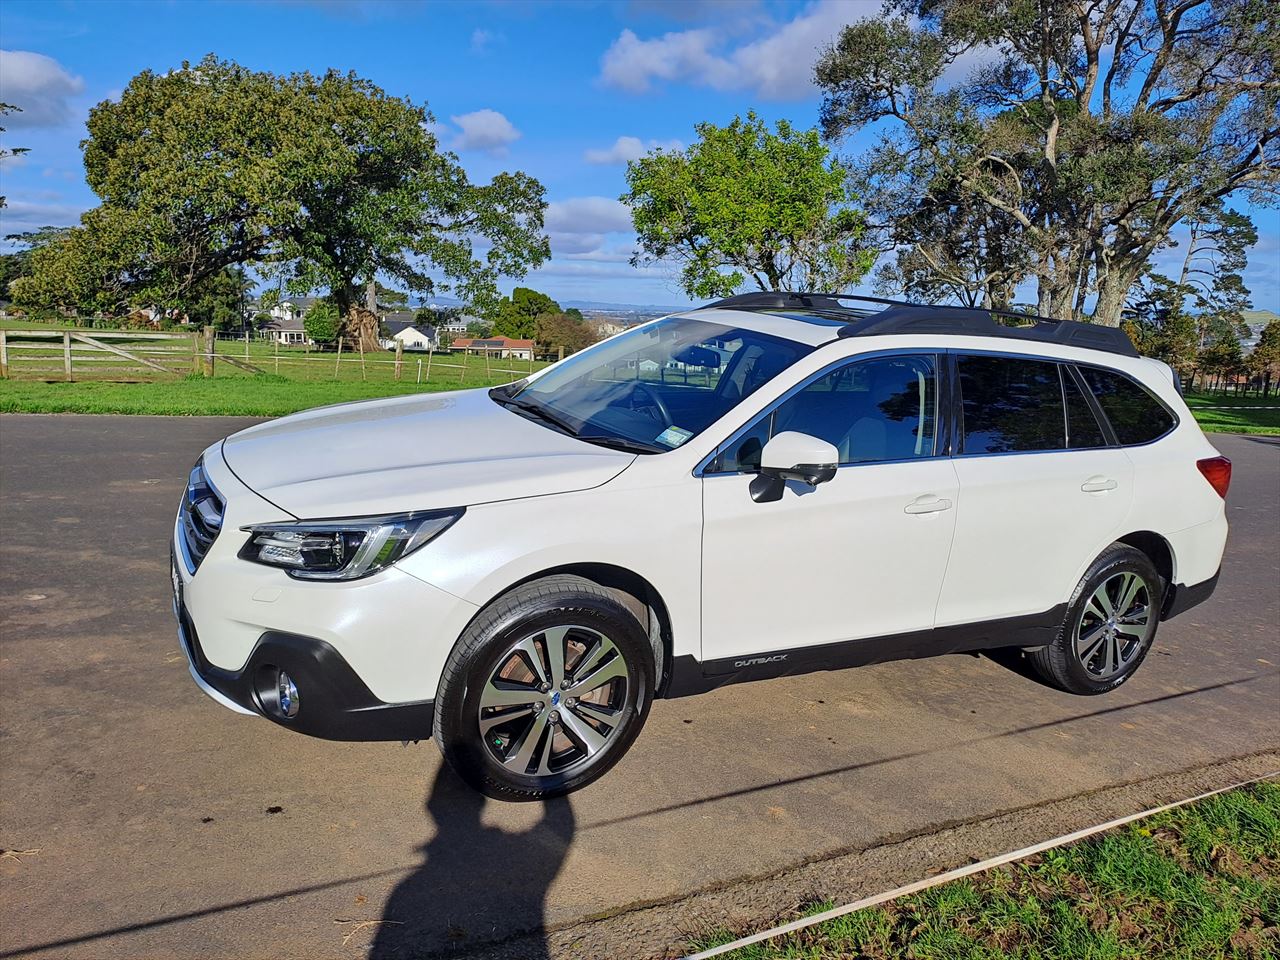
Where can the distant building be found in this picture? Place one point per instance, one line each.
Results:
(503, 347)
(286, 330)
(607, 328)
(413, 337)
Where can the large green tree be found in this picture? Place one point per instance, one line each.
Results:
(320, 182)
(517, 315)
(1095, 126)
(746, 204)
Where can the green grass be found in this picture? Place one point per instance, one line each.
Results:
(1251, 419)
(1197, 883)
(305, 379)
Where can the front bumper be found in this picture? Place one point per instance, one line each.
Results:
(334, 703)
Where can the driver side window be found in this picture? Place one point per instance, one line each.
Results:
(872, 411)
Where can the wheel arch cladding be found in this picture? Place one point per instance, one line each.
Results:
(1157, 550)
(633, 591)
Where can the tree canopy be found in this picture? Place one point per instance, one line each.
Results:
(1090, 131)
(322, 322)
(517, 315)
(321, 182)
(746, 204)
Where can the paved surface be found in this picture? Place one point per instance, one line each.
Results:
(165, 826)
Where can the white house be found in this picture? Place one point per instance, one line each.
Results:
(413, 338)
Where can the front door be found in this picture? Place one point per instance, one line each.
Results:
(861, 556)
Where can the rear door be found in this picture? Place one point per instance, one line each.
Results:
(1042, 488)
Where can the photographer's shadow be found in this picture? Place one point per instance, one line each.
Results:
(477, 883)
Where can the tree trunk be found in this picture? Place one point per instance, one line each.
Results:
(1113, 291)
(360, 329)
(371, 295)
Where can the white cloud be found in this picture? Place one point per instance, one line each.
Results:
(778, 66)
(629, 148)
(482, 40)
(39, 86)
(21, 215)
(587, 215)
(486, 130)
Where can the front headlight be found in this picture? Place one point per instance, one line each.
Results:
(342, 549)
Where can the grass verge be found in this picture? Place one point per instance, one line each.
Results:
(1195, 883)
(1223, 413)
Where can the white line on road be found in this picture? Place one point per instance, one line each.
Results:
(960, 872)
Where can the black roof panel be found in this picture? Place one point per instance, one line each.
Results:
(900, 317)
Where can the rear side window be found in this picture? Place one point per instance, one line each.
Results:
(1083, 431)
(1135, 415)
(1011, 405)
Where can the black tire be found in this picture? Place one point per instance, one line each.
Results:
(1084, 668)
(486, 646)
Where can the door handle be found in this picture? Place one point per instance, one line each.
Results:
(927, 504)
(1098, 485)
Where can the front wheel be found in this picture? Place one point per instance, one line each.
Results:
(1109, 626)
(545, 691)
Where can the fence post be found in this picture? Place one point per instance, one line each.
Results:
(363, 375)
(4, 354)
(208, 351)
(196, 366)
(559, 353)
(277, 358)
(246, 343)
(487, 374)
(338, 360)
(420, 367)
(66, 355)
(462, 366)
(400, 358)
(430, 354)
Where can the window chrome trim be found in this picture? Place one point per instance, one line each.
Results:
(940, 412)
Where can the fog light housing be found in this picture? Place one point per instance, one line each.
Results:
(276, 692)
(287, 701)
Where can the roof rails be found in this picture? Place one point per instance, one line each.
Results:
(901, 317)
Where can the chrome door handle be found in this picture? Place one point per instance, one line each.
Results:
(927, 504)
(1098, 485)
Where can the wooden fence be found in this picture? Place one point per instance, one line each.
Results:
(98, 354)
(118, 355)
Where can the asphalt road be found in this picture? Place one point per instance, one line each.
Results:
(144, 820)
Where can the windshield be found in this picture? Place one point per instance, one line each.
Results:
(654, 387)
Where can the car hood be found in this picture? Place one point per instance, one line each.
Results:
(419, 452)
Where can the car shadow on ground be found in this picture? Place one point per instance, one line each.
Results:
(476, 881)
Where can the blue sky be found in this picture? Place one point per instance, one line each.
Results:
(564, 91)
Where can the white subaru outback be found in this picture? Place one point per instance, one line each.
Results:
(774, 484)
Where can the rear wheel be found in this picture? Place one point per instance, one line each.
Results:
(1109, 625)
(545, 691)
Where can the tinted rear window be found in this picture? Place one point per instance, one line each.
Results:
(1135, 415)
(1011, 405)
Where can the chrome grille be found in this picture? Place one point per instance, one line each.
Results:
(200, 517)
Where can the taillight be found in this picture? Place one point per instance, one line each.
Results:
(1217, 470)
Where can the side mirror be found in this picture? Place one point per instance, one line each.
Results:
(793, 456)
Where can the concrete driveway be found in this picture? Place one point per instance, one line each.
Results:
(143, 820)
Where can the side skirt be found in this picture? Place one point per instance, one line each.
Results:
(691, 676)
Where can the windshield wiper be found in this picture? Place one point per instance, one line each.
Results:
(622, 443)
(538, 410)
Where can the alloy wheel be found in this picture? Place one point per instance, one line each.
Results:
(554, 701)
(1114, 625)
